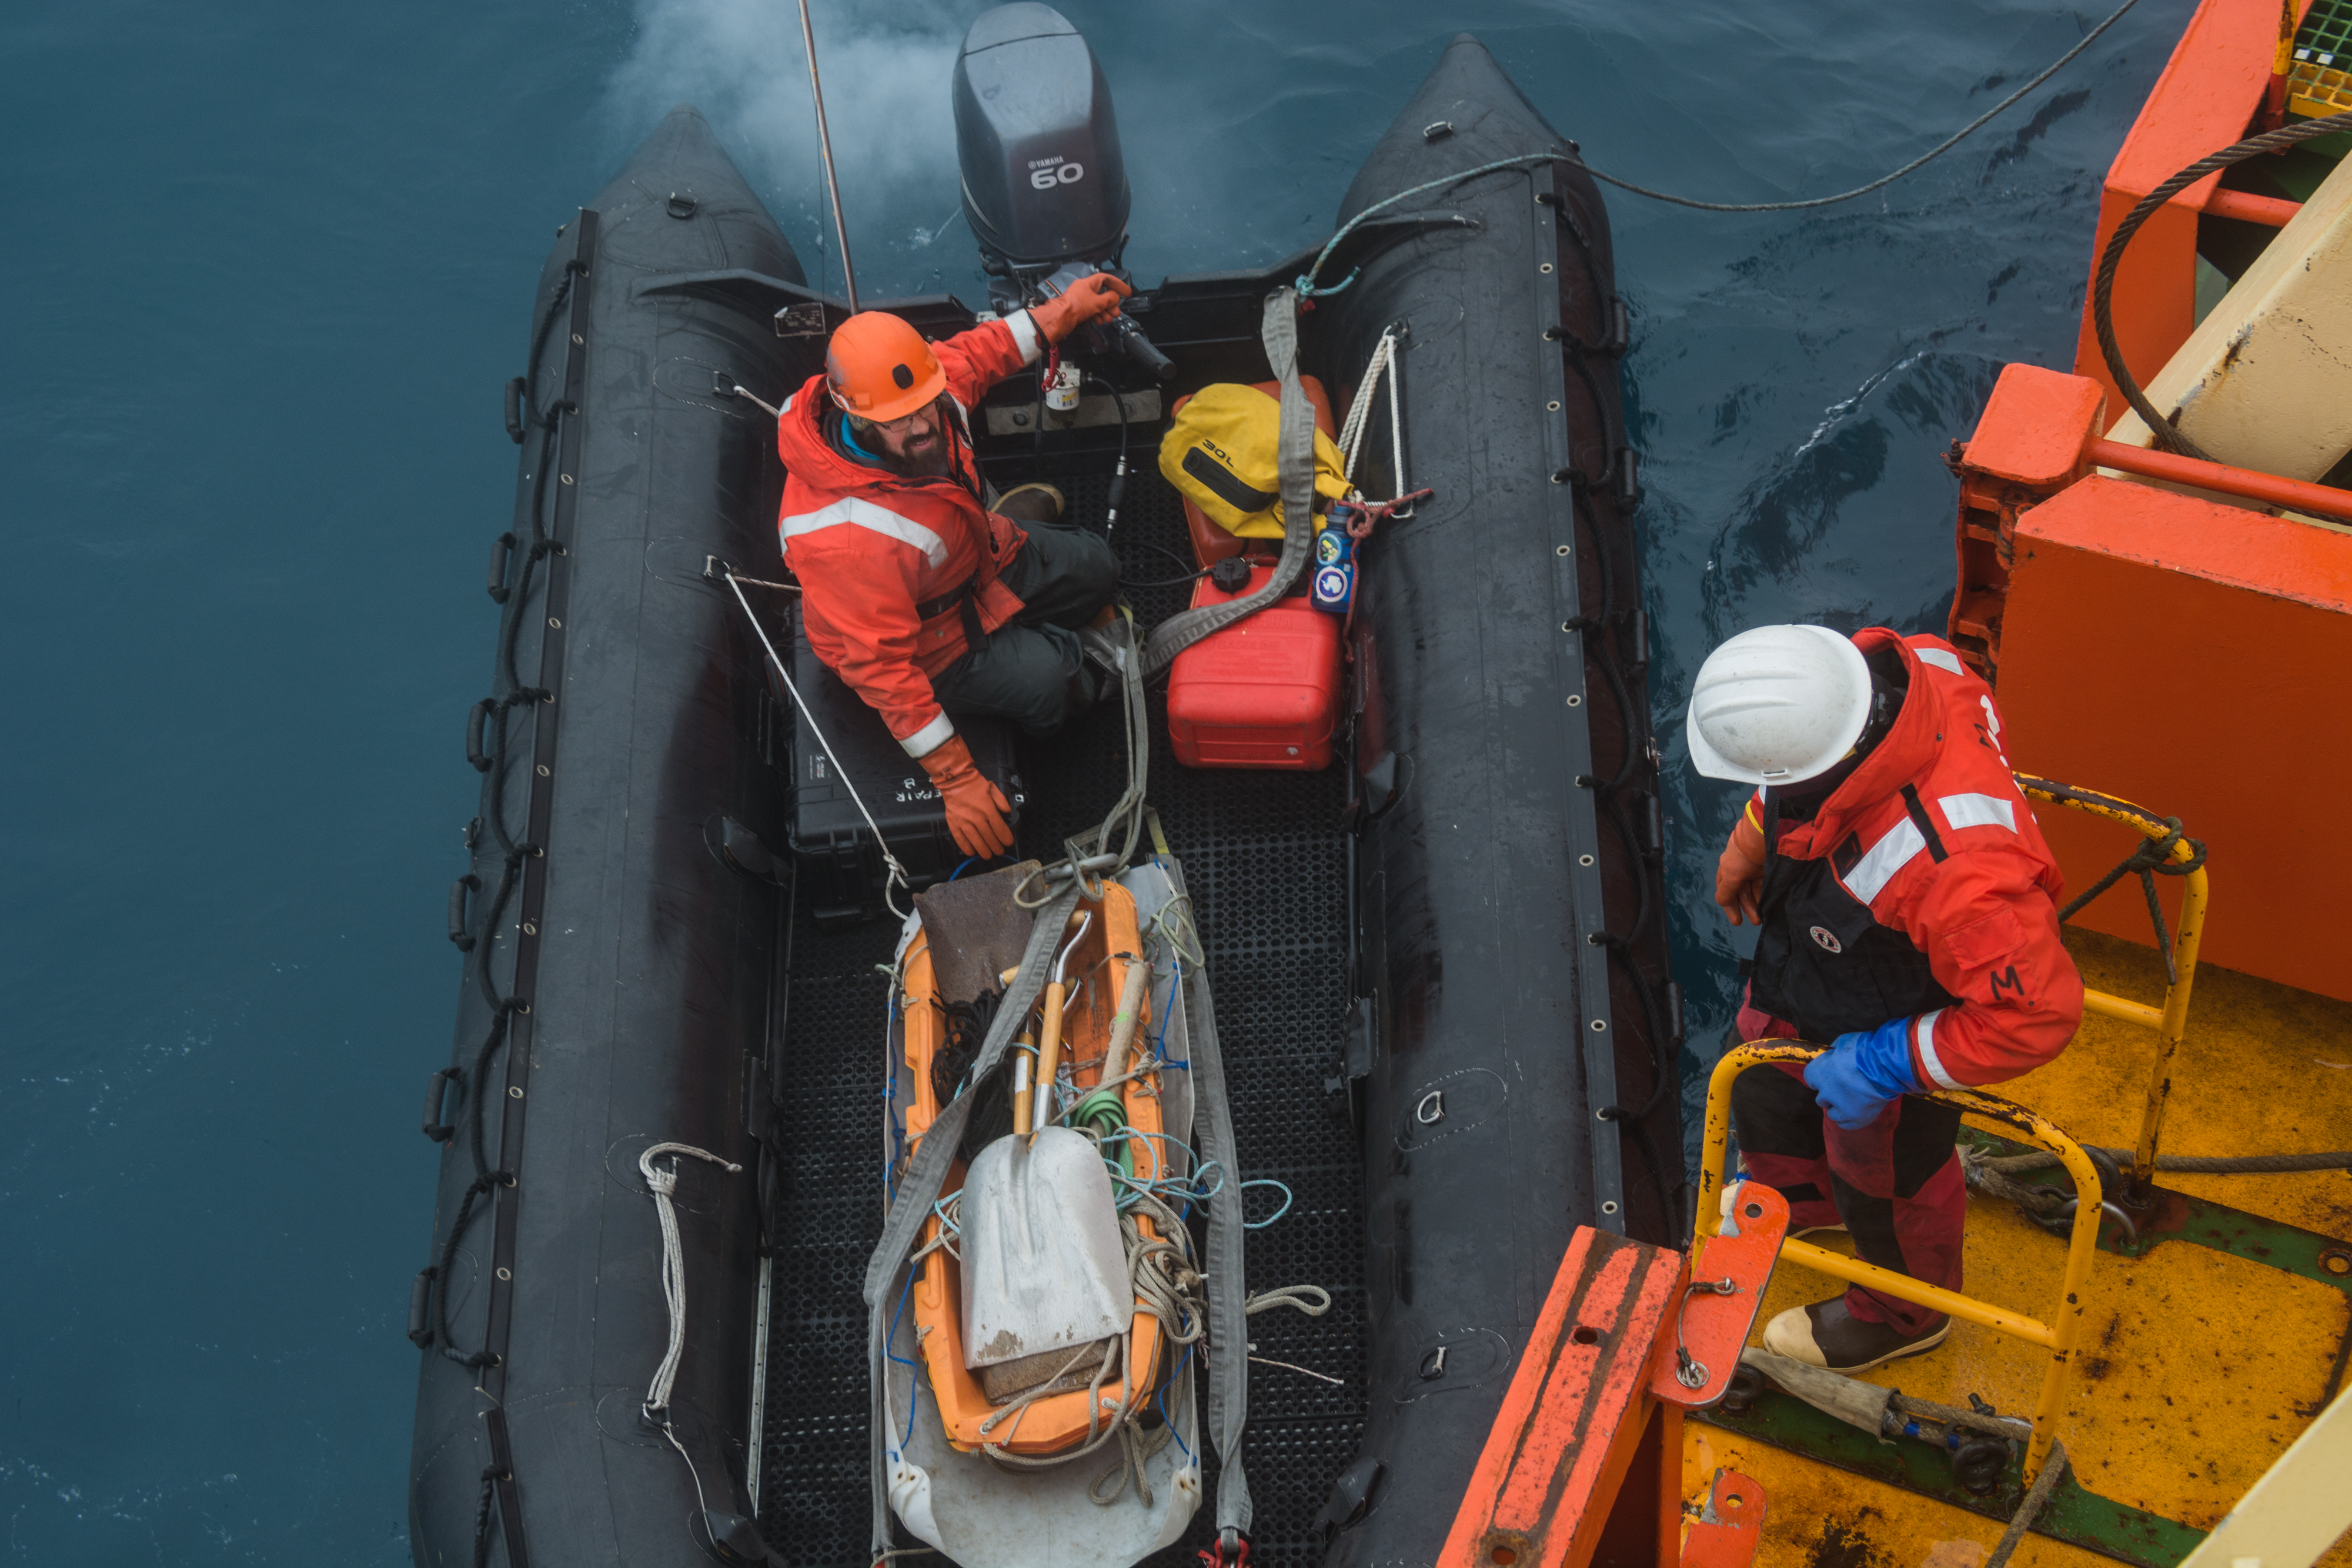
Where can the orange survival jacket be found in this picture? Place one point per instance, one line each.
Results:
(875, 550)
(1921, 888)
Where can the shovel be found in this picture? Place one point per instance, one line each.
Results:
(1044, 1270)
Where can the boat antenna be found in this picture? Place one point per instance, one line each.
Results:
(825, 147)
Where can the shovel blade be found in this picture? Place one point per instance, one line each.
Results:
(1044, 1266)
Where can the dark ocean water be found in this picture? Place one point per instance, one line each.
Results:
(266, 268)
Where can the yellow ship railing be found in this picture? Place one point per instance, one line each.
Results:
(2058, 1336)
(2170, 1021)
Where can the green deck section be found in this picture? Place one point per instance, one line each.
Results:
(2180, 1217)
(2073, 1515)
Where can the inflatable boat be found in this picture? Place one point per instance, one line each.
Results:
(675, 1305)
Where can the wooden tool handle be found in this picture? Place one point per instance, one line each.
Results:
(1122, 1024)
(1021, 1083)
(1049, 1057)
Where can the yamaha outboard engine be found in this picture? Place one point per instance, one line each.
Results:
(1044, 188)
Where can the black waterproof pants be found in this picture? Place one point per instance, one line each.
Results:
(1032, 669)
(1894, 1185)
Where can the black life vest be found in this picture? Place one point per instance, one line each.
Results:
(1822, 961)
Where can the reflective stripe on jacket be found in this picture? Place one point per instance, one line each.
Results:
(870, 547)
(1922, 887)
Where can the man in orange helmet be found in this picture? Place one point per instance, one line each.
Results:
(923, 599)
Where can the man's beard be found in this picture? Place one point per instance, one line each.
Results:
(929, 463)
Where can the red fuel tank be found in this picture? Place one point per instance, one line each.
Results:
(1264, 693)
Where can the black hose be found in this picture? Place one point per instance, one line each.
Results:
(2102, 285)
(1116, 496)
(1169, 583)
(1118, 401)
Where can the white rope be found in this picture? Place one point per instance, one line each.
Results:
(1396, 431)
(1360, 413)
(661, 1183)
(897, 871)
(1161, 1275)
(1312, 1299)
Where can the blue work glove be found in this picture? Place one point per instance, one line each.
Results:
(1860, 1073)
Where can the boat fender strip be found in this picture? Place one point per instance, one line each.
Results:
(499, 1482)
(523, 869)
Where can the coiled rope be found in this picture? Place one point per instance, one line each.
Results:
(661, 1184)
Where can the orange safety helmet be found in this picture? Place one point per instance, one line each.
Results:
(879, 369)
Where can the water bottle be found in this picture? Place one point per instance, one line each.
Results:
(1333, 586)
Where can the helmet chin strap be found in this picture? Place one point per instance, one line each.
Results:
(1886, 704)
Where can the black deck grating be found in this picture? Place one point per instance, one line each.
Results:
(1267, 864)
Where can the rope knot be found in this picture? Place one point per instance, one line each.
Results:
(2156, 855)
(2150, 859)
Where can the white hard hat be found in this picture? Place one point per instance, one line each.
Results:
(1779, 705)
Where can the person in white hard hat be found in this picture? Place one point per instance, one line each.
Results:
(1908, 917)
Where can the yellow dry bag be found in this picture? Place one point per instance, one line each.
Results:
(1220, 452)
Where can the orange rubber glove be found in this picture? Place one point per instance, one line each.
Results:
(1739, 875)
(976, 808)
(1094, 299)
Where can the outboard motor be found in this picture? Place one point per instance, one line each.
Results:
(1044, 188)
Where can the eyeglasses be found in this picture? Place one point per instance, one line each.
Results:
(899, 425)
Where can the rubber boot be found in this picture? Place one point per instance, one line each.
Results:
(1825, 1335)
(1031, 503)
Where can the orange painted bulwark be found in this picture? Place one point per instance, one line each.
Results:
(1574, 1416)
(2191, 657)
(2028, 444)
(2206, 99)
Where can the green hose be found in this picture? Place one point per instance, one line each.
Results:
(1103, 1113)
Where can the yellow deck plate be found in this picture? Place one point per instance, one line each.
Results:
(2199, 1367)
(2263, 1069)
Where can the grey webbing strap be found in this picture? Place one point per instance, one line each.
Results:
(1227, 1284)
(1295, 462)
(919, 1189)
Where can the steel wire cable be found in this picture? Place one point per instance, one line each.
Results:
(2162, 430)
(1309, 291)
(1962, 134)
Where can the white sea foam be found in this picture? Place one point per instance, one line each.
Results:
(886, 72)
